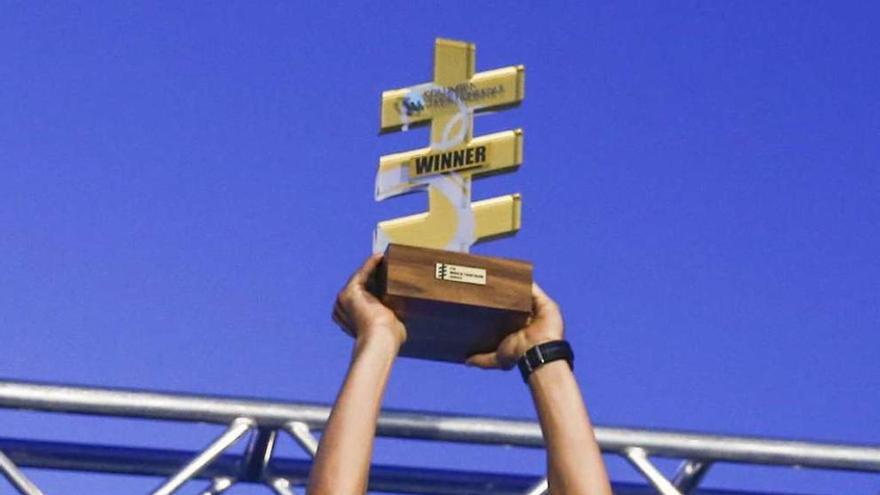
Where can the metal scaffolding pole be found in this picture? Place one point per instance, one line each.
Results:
(699, 451)
(422, 426)
(292, 472)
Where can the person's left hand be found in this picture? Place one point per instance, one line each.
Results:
(544, 325)
(361, 314)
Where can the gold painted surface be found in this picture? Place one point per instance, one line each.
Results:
(504, 151)
(457, 159)
(497, 216)
(485, 91)
(452, 222)
(454, 61)
(494, 217)
(436, 228)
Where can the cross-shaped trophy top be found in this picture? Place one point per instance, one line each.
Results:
(455, 86)
(454, 157)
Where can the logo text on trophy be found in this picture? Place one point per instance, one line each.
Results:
(454, 157)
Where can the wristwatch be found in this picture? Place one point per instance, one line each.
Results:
(544, 353)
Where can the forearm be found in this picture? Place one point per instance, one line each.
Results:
(574, 462)
(343, 460)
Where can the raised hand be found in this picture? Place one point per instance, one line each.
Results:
(544, 325)
(360, 313)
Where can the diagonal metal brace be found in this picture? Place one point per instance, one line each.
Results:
(21, 482)
(258, 454)
(540, 488)
(219, 485)
(690, 474)
(303, 436)
(236, 430)
(281, 486)
(639, 459)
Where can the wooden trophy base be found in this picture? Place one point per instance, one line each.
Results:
(453, 304)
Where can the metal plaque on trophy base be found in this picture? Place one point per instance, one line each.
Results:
(453, 304)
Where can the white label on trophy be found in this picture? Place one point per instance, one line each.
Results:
(458, 273)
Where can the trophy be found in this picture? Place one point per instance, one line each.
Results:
(453, 304)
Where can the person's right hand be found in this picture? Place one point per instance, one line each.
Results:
(545, 325)
(360, 314)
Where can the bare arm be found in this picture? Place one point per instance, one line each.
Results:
(574, 462)
(343, 460)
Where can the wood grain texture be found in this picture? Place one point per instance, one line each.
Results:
(446, 320)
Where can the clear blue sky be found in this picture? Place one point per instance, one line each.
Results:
(183, 188)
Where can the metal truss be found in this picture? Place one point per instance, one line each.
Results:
(262, 421)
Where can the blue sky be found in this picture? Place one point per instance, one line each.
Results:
(184, 188)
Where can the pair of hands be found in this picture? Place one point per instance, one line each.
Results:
(364, 317)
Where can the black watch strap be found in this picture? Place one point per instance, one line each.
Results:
(545, 353)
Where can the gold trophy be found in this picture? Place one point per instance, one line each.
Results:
(453, 304)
